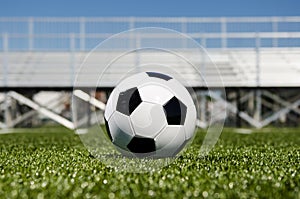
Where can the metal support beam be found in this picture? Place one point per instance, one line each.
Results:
(232, 108)
(7, 111)
(22, 118)
(87, 98)
(280, 101)
(257, 114)
(203, 107)
(283, 111)
(89, 118)
(61, 120)
(238, 108)
(52, 104)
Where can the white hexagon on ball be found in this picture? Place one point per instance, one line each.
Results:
(148, 119)
(150, 114)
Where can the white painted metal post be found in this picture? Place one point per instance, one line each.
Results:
(82, 33)
(258, 96)
(224, 32)
(74, 109)
(30, 34)
(203, 61)
(184, 31)
(72, 58)
(7, 113)
(131, 22)
(137, 46)
(257, 50)
(257, 114)
(274, 30)
(5, 58)
(131, 35)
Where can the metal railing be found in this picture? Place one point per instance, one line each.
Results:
(82, 34)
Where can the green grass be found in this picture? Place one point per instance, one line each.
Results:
(52, 163)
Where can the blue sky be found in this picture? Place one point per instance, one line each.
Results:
(164, 8)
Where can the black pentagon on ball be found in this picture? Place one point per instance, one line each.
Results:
(175, 111)
(159, 75)
(108, 130)
(141, 145)
(128, 101)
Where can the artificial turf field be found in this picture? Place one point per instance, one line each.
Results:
(51, 162)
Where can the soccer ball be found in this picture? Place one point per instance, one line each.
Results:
(150, 114)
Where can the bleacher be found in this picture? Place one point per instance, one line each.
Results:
(248, 52)
(237, 67)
